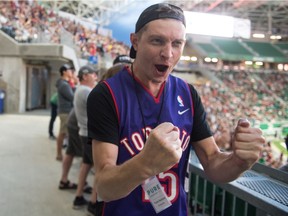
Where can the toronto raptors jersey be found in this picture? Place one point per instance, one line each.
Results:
(138, 113)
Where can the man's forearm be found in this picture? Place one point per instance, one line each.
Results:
(115, 182)
(225, 168)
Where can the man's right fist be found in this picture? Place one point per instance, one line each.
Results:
(163, 149)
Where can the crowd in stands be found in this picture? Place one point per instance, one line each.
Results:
(277, 83)
(260, 98)
(242, 94)
(269, 159)
(26, 21)
(257, 97)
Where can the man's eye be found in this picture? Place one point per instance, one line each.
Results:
(157, 41)
(178, 43)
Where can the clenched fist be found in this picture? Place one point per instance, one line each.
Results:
(247, 143)
(162, 149)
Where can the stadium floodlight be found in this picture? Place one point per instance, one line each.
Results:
(275, 37)
(207, 59)
(193, 58)
(248, 62)
(282, 67)
(258, 35)
(185, 58)
(259, 63)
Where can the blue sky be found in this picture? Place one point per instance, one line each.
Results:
(123, 23)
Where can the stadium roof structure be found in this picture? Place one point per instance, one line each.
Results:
(98, 11)
(266, 16)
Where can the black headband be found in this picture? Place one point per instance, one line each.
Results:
(154, 12)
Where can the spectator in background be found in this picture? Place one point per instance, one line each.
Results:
(223, 138)
(122, 59)
(53, 115)
(118, 63)
(112, 71)
(74, 148)
(284, 167)
(88, 79)
(73, 81)
(65, 104)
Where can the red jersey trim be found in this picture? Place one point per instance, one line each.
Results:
(114, 100)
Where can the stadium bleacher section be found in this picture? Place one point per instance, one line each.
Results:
(266, 49)
(231, 46)
(32, 23)
(283, 46)
(234, 49)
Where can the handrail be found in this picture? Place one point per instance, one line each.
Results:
(264, 188)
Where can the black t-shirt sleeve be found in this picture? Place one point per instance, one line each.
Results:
(201, 129)
(102, 118)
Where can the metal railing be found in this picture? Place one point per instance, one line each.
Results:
(258, 192)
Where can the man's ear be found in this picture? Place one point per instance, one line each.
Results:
(134, 40)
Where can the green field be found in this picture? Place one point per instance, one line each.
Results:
(280, 147)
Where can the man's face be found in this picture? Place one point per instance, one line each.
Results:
(68, 73)
(91, 79)
(159, 48)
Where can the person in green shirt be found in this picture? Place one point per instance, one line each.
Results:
(53, 104)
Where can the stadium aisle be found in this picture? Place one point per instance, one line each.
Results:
(29, 172)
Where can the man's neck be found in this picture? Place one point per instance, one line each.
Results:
(153, 86)
(88, 84)
(65, 78)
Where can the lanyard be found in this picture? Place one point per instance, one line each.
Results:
(140, 106)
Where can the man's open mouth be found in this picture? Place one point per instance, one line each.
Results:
(161, 68)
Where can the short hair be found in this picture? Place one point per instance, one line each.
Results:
(113, 70)
(122, 59)
(65, 67)
(87, 69)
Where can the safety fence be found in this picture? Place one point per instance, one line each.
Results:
(258, 192)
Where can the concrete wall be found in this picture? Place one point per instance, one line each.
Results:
(8, 46)
(17, 58)
(13, 82)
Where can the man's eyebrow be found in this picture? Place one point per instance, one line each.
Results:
(163, 36)
(156, 36)
(182, 40)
